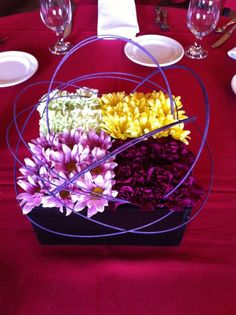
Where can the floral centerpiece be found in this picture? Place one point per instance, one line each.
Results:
(72, 165)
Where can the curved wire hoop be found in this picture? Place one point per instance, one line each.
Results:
(138, 82)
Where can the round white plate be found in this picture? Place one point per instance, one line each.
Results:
(165, 50)
(233, 84)
(16, 67)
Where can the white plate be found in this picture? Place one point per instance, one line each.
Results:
(16, 67)
(233, 84)
(165, 50)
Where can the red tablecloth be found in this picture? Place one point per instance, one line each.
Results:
(229, 4)
(199, 276)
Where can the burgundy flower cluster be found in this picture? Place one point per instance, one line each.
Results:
(149, 170)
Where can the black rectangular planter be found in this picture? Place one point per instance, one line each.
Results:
(125, 217)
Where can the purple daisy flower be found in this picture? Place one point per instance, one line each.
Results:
(97, 140)
(49, 177)
(94, 187)
(62, 197)
(96, 155)
(72, 137)
(33, 195)
(40, 145)
(69, 160)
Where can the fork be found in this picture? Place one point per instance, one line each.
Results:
(223, 28)
(158, 15)
(164, 25)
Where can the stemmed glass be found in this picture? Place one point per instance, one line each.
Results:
(202, 18)
(56, 14)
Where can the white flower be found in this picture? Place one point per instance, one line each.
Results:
(67, 111)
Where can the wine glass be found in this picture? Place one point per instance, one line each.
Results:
(202, 18)
(56, 15)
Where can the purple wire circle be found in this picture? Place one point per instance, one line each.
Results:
(140, 81)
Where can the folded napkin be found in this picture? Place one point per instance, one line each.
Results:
(232, 53)
(117, 18)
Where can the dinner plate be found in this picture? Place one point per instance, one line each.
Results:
(16, 67)
(165, 50)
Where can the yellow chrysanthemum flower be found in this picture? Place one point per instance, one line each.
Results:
(113, 99)
(130, 116)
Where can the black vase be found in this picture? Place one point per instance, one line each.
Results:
(54, 228)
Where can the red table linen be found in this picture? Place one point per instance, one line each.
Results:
(199, 276)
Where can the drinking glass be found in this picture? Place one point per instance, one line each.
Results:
(56, 15)
(202, 18)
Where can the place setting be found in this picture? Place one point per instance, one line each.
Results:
(165, 50)
(18, 66)
(15, 66)
(202, 18)
(146, 50)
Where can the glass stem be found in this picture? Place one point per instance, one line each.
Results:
(60, 38)
(197, 43)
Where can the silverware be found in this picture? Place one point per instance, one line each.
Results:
(223, 28)
(158, 15)
(225, 37)
(164, 25)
